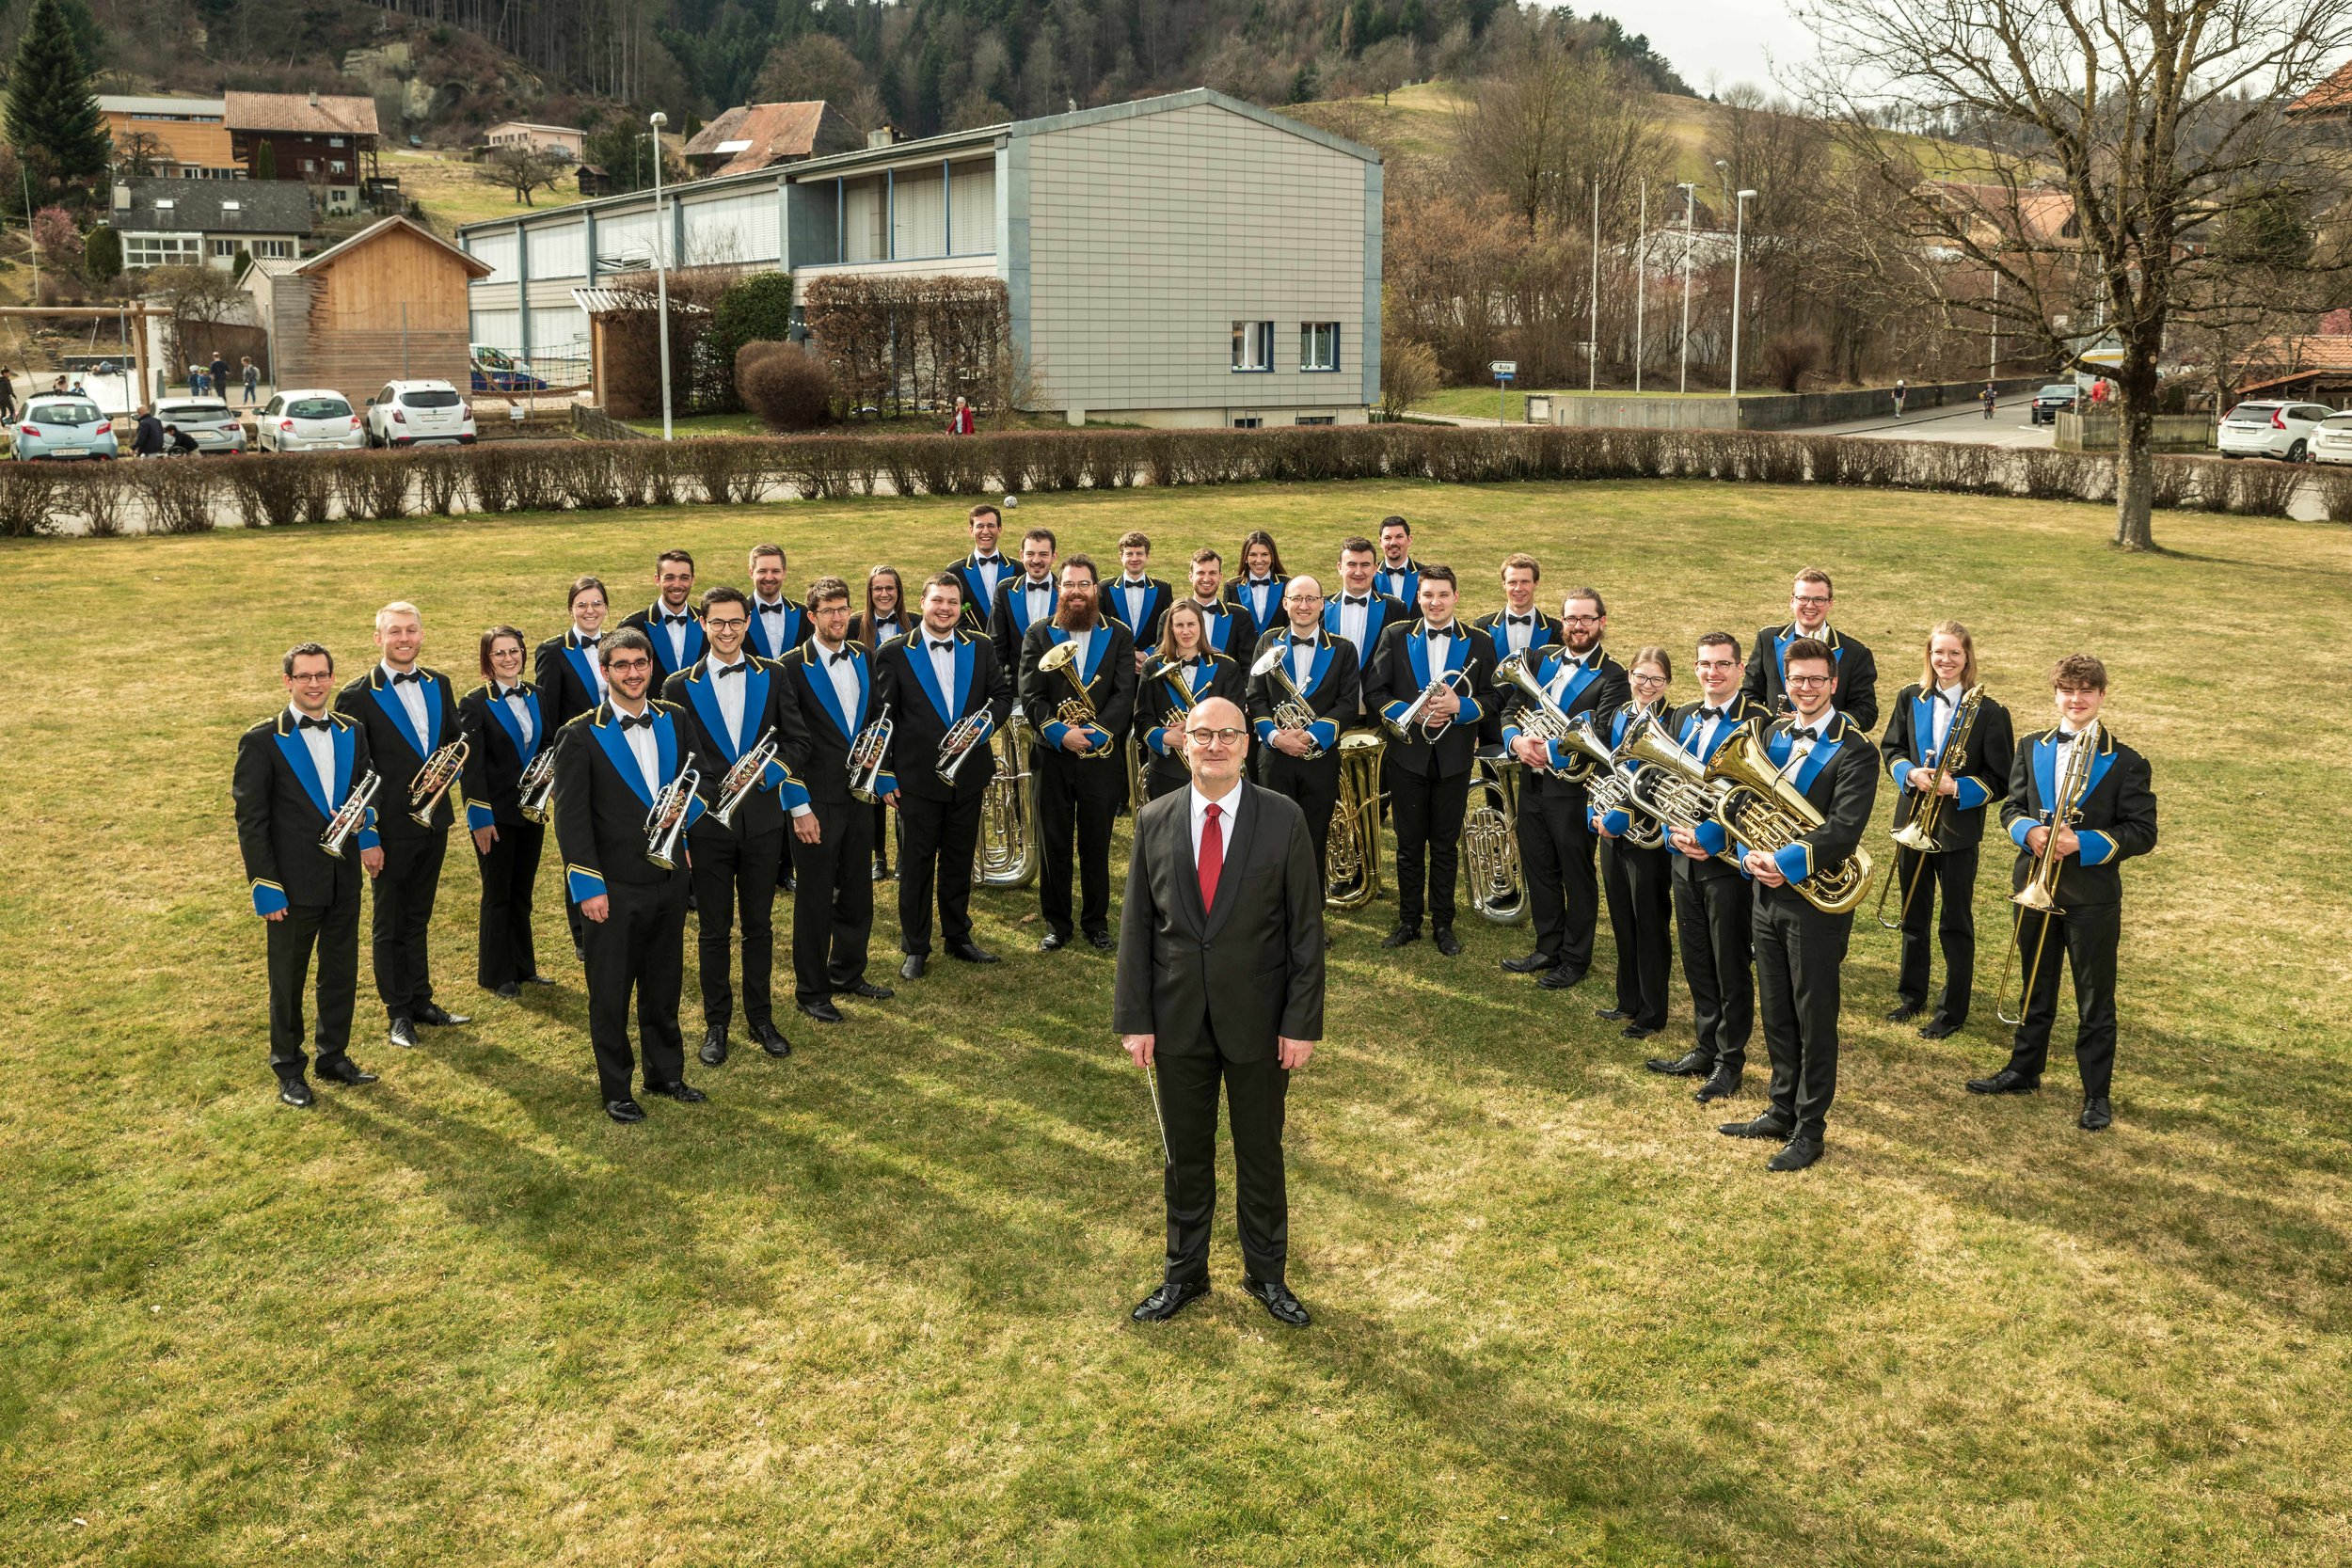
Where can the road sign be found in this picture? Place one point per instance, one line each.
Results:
(1504, 367)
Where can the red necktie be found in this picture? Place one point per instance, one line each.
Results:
(1212, 856)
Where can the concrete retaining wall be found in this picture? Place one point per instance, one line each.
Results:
(1776, 411)
(2103, 432)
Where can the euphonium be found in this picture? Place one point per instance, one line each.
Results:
(667, 820)
(868, 756)
(1766, 812)
(1927, 817)
(1415, 714)
(1548, 722)
(535, 790)
(1293, 712)
(2039, 894)
(1611, 789)
(1007, 856)
(441, 770)
(1490, 840)
(1669, 783)
(1077, 709)
(1352, 854)
(968, 734)
(743, 778)
(1173, 674)
(351, 815)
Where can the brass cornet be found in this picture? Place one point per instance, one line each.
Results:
(535, 790)
(868, 756)
(743, 778)
(1293, 712)
(1415, 714)
(1078, 708)
(667, 820)
(968, 734)
(351, 815)
(441, 770)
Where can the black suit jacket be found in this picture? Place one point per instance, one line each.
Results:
(1007, 628)
(663, 665)
(1843, 787)
(772, 636)
(565, 691)
(1336, 697)
(814, 744)
(1112, 691)
(1254, 625)
(1857, 698)
(701, 728)
(979, 606)
(917, 726)
(1159, 716)
(1391, 685)
(1982, 776)
(1157, 597)
(280, 814)
(901, 626)
(2117, 817)
(494, 759)
(369, 702)
(1603, 692)
(1234, 978)
(599, 816)
(1746, 713)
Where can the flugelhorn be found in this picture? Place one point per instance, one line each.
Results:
(534, 790)
(1918, 835)
(351, 815)
(1077, 709)
(967, 735)
(441, 770)
(1415, 714)
(743, 778)
(667, 820)
(1292, 711)
(870, 756)
(2039, 894)
(1766, 812)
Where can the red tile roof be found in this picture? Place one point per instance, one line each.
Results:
(2334, 95)
(313, 113)
(772, 134)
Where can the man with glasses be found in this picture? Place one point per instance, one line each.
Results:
(1220, 979)
(1303, 765)
(1557, 844)
(1809, 603)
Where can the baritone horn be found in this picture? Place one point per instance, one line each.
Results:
(870, 756)
(441, 770)
(1352, 854)
(1670, 784)
(667, 820)
(1546, 721)
(534, 790)
(1173, 673)
(743, 778)
(351, 815)
(1292, 711)
(1766, 812)
(1077, 709)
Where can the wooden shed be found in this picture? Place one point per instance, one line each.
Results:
(387, 304)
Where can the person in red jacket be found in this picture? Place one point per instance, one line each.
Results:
(960, 422)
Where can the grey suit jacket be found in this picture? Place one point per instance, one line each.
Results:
(1233, 978)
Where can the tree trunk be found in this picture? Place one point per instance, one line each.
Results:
(2135, 471)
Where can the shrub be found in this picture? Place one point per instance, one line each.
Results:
(2334, 486)
(1789, 357)
(267, 490)
(785, 388)
(729, 470)
(375, 484)
(585, 472)
(179, 492)
(440, 479)
(28, 497)
(98, 495)
(2262, 489)
(754, 308)
(2169, 480)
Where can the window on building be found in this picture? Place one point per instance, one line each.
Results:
(161, 251)
(1317, 419)
(1318, 345)
(334, 142)
(309, 166)
(1253, 345)
(339, 166)
(274, 248)
(1247, 421)
(224, 248)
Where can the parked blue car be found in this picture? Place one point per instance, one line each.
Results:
(55, 426)
(496, 370)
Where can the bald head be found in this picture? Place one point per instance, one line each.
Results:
(1302, 600)
(1216, 761)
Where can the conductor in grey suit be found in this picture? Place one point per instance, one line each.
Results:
(1221, 979)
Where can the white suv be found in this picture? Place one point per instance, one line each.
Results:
(2270, 429)
(406, 413)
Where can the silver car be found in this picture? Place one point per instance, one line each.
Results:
(57, 424)
(217, 430)
(310, 419)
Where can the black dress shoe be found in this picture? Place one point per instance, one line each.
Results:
(1052, 942)
(1797, 1154)
(508, 991)
(867, 990)
(295, 1092)
(2007, 1081)
(911, 968)
(624, 1110)
(435, 1015)
(1940, 1028)
(790, 884)
(580, 951)
(882, 871)
(1902, 1013)
(771, 1040)
(1611, 1014)
(1402, 935)
(681, 1091)
(1765, 1125)
(1532, 963)
(1636, 1031)
(343, 1071)
(2098, 1116)
(1689, 1065)
(822, 1011)
(404, 1034)
(1721, 1085)
(1446, 942)
(1561, 977)
(714, 1049)
(1166, 1302)
(1276, 1299)
(538, 980)
(1102, 942)
(963, 952)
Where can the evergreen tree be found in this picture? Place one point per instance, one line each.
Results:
(102, 255)
(53, 117)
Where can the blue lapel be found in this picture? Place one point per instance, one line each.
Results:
(397, 712)
(703, 692)
(505, 716)
(1923, 728)
(1584, 677)
(664, 746)
(345, 746)
(583, 664)
(1202, 674)
(298, 758)
(813, 671)
(919, 661)
(2045, 771)
(1018, 601)
(1095, 645)
(1784, 742)
(1780, 651)
(623, 761)
(784, 642)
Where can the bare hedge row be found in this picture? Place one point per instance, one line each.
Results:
(176, 495)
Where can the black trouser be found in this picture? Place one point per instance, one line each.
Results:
(832, 901)
(2089, 936)
(1641, 913)
(937, 840)
(735, 873)
(639, 946)
(1428, 813)
(1798, 952)
(1315, 785)
(1716, 924)
(881, 834)
(1255, 1092)
(333, 931)
(1080, 794)
(404, 896)
(1556, 862)
(503, 951)
(1952, 874)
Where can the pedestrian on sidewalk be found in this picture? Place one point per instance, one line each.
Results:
(960, 422)
(219, 373)
(252, 380)
(1989, 397)
(1901, 392)
(8, 394)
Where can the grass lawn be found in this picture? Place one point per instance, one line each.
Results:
(453, 192)
(869, 1305)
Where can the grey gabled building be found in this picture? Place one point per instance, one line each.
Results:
(1185, 259)
(183, 222)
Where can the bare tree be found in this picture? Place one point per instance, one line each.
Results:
(2149, 118)
(139, 154)
(1554, 121)
(522, 168)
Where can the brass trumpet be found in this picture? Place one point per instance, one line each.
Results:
(968, 734)
(1926, 818)
(2039, 894)
(868, 755)
(1077, 709)
(1766, 812)
(535, 790)
(1415, 714)
(351, 815)
(1352, 854)
(441, 770)
(1293, 712)
(743, 778)
(667, 820)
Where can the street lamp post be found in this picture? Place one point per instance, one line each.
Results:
(1641, 279)
(1738, 231)
(1592, 328)
(660, 272)
(1690, 212)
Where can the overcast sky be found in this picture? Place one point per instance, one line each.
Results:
(1735, 41)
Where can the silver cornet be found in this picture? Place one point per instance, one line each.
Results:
(969, 735)
(441, 770)
(535, 790)
(667, 820)
(351, 815)
(868, 756)
(1415, 714)
(1294, 712)
(743, 778)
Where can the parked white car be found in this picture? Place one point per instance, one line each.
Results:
(2270, 429)
(406, 413)
(2332, 441)
(310, 419)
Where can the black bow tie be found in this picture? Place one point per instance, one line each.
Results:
(1193, 663)
(505, 692)
(772, 609)
(637, 721)
(403, 679)
(1361, 604)
(988, 561)
(314, 724)
(669, 620)
(727, 669)
(1298, 641)
(1710, 714)
(943, 647)
(841, 658)
(1519, 619)
(585, 640)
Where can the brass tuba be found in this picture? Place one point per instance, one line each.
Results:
(1766, 812)
(1007, 856)
(1292, 711)
(444, 767)
(1927, 817)
(1352, 854)
(1490, 841)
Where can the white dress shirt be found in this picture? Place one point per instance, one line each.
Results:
(1803, 740)
(588, 642)
(641, 746)
(843, 675)
(729, 691)
(943, 657)
(321, 745)
(1518, 629)
(411, 695)
(1227, 805)
(1441, 645)
(675, 632)
(1039, 592)
(991, 573)
(1355, 620)
(1082, 640)
(1302, 658)
(1946, 704)
(512, 697)
(1132, 590)
(1710, 720)
(1569, 665)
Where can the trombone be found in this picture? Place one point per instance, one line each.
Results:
(2039, 894)
(1292, 711)
(1918, 835)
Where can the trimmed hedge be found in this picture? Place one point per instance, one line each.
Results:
(551, 476)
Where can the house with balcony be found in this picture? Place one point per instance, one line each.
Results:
(325, 141)
(563, 141)
(1185, 259)
(184, 137)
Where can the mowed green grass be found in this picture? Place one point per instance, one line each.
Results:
(868, 1305)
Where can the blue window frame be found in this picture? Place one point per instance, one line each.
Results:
(1318, 345)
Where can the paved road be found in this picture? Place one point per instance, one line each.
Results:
(2008, 427)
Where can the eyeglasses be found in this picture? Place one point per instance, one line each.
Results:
(1585, 620)
(1809, 682)
(627, 666)
(1718, 664)
(1649, 680)
(313, 675)
(1217, 737)
(1808, 598)
(1302, 598)
(731, 622)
